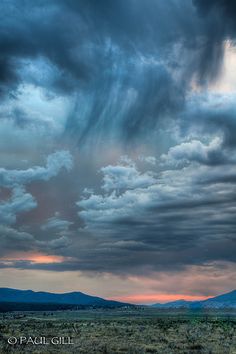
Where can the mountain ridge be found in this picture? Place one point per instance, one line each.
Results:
(227, 300)
(8, 295)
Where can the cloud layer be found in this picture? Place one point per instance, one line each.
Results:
(156, 224)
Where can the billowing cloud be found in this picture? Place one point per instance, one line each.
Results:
(21, 201)
(157, 224)
(56, 223)
(122, 177)
(212, 153)
(55, 163)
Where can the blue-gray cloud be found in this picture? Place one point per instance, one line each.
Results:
(125, 69)
(21, 200)
(55, 162)
(55, 223)
(157, 224)
(212, 153)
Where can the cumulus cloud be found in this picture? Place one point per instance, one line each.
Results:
(54, 245)
(13, 235)
(122, 177)
(56, 223)
(149, 159)
(55, 162)
(157, 224)
(22, 201)
(58, 243)
(194, 150)
(13, 240)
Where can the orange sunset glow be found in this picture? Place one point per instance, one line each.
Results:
(154, 298)
(32, 257)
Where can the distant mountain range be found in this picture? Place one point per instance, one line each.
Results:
(225, 301)
(21, 300)
(44, 300)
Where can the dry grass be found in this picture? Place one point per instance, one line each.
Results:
(123, 332)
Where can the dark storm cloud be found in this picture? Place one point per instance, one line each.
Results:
(226, 9)
(13, 241)
(132, 90)
(29, 31)
(219, 17)
(140, 30)
(214, 116)
(117, 58)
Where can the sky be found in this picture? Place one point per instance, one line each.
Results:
(118, 147)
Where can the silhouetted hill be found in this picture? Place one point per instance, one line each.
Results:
(224, 301)
(32, 299)
(221, 301)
